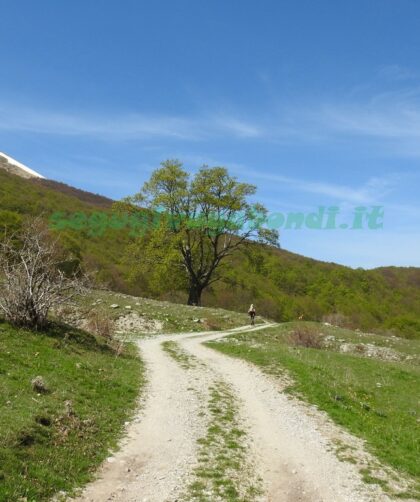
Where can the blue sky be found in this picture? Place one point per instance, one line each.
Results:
(317, 103)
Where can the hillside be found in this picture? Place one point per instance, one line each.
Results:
(55, 432)
(93, 199)
(20, 198)
(283, 285)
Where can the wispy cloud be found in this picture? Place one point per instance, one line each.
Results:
(128, 126)
(388, 122)
(370, 192)
(240, 128)
(396, 72)
(373, 191)
(390, 118)
(131, 126)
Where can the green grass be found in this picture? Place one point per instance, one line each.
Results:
(222, 472)
(375, 400)
(175, 318)
(185, 360)
(47, 445)
(405, 347)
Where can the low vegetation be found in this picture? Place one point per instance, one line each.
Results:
(304, 336)
(32, 278)
(130, 314)
(222, 472)
(185, 360)
(375, 397)
(64, 398)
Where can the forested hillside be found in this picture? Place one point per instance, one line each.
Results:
(283, 285)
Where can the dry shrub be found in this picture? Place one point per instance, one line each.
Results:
(100, 324)
(211, 325)
(304, 336)
(337, 319)
(39, 385)
(32, 276)
(65, 310)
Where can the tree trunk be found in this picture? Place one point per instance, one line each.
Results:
(194, 296)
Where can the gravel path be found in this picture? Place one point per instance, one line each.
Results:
(289, 443)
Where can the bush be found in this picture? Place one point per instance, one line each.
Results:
(31, 280)
(304, 336)
(407, 326)
(100, 324)
(337, 319)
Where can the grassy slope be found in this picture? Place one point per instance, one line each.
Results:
(43, 448)
(174, 317)
(282, 284)
(20, 197)
(346, 386)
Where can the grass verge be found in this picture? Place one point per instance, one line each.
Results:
(186, 361)
(222, 472)
(374, 399)
(52, 440)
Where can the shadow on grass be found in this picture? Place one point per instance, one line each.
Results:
(69, 336)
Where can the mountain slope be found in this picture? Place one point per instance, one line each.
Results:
(90, 198)
(283, 285)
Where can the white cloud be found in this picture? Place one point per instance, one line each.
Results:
(369, 193)
(399, 122)
(239, 128)
(396, 72)
(128, 127)
(390, 120)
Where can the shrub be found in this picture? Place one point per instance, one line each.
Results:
(31, 280)
(99, 323)
(337, 319)
(304, 336)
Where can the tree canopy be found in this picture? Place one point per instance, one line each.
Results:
(199, 221)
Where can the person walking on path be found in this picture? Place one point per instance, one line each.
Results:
(252, 313)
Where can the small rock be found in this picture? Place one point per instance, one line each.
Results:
(39, 385)
(114, 306)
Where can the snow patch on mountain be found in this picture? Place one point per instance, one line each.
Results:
(15, 167)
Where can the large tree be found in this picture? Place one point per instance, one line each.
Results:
(198, 222)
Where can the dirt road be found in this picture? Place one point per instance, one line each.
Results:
(179, 446)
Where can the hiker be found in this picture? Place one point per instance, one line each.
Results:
(251, 313)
